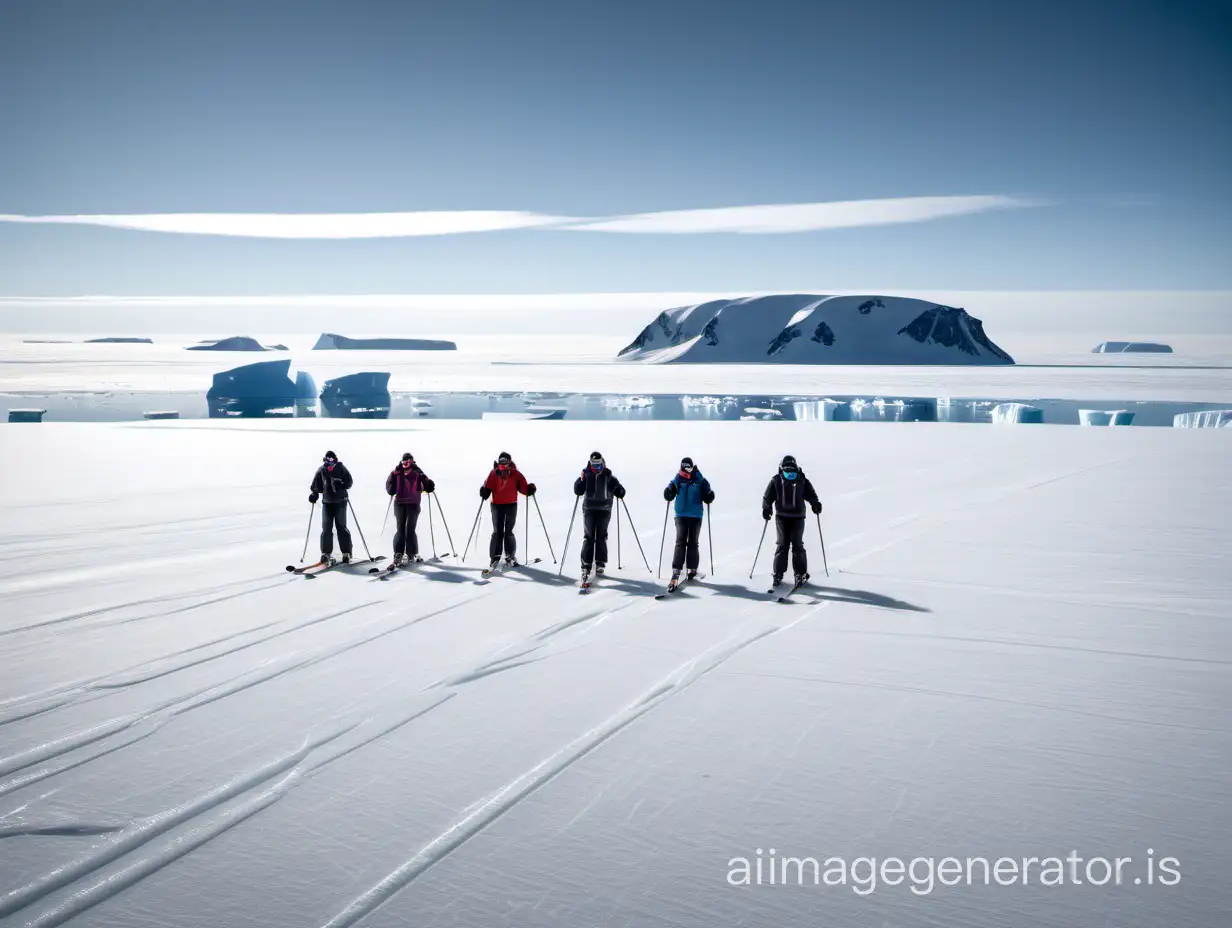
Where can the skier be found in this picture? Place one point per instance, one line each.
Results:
(405, 483)
(503, 485)
(331, 481)
(787, 492)
(690, 490)
(597, 486)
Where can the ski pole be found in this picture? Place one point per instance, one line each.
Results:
(663, 538)
(445, 523)
(545, 529)
(759, 544)
(358, 529)
(474, 525)
(386, 522)
(431, 528)
(822, 539)
(526, 533)
(710, 535)
(633, 528)
(565, 550)
(619, 566)
(311, 512)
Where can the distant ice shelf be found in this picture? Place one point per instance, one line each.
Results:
(1131, 348)
(1207, 419)
(331, 342)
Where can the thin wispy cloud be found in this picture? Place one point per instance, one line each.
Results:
(802, 217)
(772, 219)
(311, 225)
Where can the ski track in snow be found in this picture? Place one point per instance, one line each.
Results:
(217, 810)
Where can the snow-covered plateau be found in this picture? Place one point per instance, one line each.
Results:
(1022, 651)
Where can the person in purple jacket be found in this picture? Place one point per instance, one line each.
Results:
(406, 484)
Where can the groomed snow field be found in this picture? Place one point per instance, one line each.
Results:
(1022, 652)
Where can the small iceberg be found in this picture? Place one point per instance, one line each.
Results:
(118, 341)
(234, 343)
(1105, 417)
(523, 416)
(1016, 414)
(1206, 419)
(331, 342)
(1131, 348)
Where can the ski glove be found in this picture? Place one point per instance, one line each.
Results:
(816, 508)
(708, 497)
(765, 514)
(313, 497)
(429, 484)
(669, 492)
(619, 493)
(530, 489)
(484, 492)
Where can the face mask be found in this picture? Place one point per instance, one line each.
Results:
(789, 475)
(596, 465)
(408, 464)
(330, 462)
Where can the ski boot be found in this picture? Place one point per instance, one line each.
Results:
(600, 569)
(674, 581)
(328, 559)
(691, 575)
(346, 557)
(414, 559)
(399, 560)
(801, 579)
(511, 561)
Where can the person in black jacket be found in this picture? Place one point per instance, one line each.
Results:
(330, 484)
(786, 496)
(597, 486)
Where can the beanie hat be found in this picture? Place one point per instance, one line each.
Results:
(503, 458)
(684, 461)
(788, 462)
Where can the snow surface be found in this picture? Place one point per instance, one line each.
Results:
(804, 328)
(1023, 651)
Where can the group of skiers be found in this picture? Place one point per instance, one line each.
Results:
(787, 498)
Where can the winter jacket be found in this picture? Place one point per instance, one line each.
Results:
(332, 482)
(597, 488)
(789, 496)
(405, 486)
(690, 494)
(506, 489)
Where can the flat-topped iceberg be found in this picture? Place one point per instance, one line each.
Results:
(1131, 347)
(330, 341)
(118, 340)
(1206, 419)
(1016, 414)
(806, 328)
(262, 380)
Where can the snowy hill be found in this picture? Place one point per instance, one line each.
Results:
(807, 328)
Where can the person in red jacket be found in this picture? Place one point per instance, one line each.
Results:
(503, 485)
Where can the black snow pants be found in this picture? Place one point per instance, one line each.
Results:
(406, 517)
(688, 531)
(594, 536)
(504, 516)
(790, 532)
(334, 518)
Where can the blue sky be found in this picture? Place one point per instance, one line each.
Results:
(1096, 135)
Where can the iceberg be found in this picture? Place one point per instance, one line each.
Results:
(358, 396)
(363, 384)
(118, 341)
(1131, 347)
(1016, 414)
(808, 328)
(234, 343)
(262, 380)
(1105, 417)
(1206, 419)
(329, 341)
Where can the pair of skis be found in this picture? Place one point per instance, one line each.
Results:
(387, 572)
(310, 571)
(504, 566)
(786, 597)
(678, 584)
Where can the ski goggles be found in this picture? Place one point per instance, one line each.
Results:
(687, 467)
(330, 461)
(596, 465)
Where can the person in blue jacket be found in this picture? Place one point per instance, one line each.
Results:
(691, 491)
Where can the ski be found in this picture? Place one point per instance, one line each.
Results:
(292, 569)
(502, 567)
(678, 584)
(337, 564)
(786, 597)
